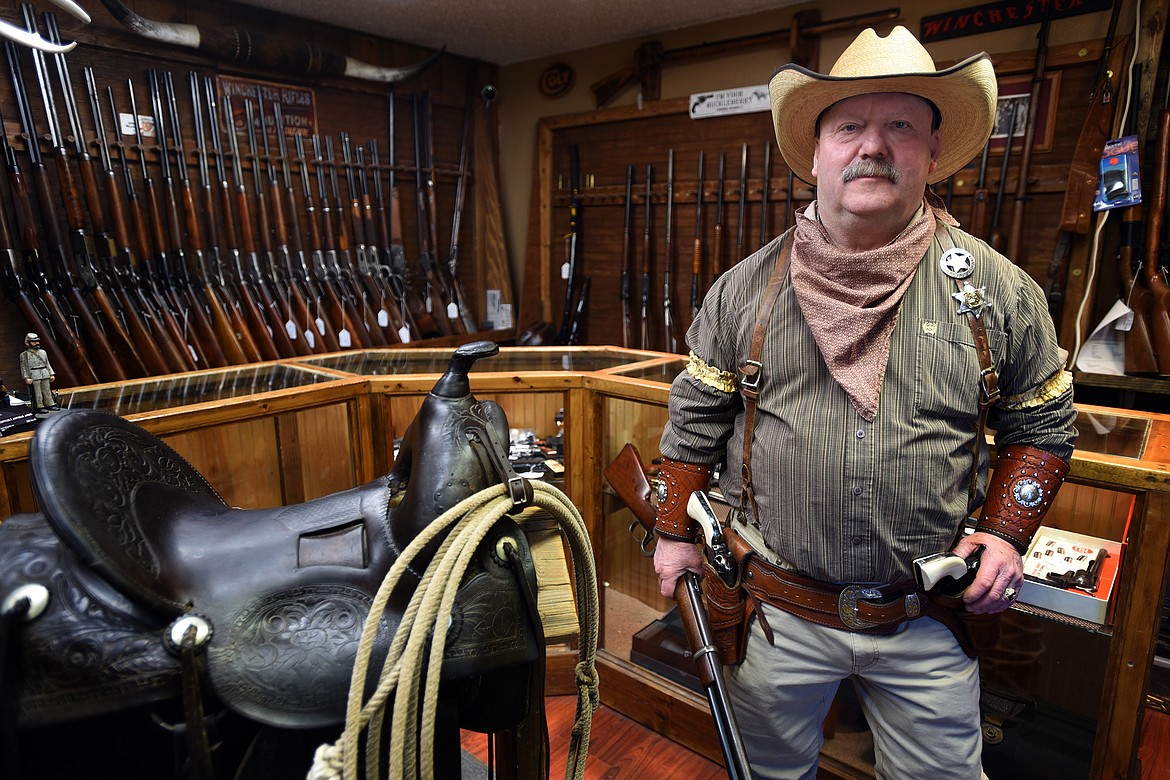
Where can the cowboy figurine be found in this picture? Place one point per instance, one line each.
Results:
(38, 374)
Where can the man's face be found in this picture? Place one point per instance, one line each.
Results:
(874, 154)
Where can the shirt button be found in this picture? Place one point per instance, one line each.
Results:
(861, 433)
(857, 491)
(856, 540)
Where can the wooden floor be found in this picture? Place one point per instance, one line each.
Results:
(619, 748)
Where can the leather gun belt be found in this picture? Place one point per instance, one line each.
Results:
(873, 609)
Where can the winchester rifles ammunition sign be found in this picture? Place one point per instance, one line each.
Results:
(742, 100)
(298, 105)
(1001, 16)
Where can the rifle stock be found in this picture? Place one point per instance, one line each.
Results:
(1159, 299)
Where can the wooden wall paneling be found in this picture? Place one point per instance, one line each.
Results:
(241, 460)
(17, 492)
(357, 107)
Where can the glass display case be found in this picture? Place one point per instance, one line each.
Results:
(1063, 696)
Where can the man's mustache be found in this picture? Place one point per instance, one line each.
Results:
(869, 168)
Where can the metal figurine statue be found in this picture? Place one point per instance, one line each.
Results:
(38, 374)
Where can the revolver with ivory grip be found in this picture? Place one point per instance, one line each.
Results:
(946, 571)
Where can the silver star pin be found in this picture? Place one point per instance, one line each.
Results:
(957, 263)
(973, 299)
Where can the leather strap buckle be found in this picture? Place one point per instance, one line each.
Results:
(847, 608)
(753, 372)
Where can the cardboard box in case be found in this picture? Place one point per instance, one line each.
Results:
(1057, 551)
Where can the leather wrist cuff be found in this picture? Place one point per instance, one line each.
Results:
(1020, 492)
(677, 480)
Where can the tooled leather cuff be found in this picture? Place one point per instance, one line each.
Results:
(1020, 492)
(677, 480)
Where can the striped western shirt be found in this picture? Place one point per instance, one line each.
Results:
(843, 499)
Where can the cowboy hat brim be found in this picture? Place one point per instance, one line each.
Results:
(964, 94)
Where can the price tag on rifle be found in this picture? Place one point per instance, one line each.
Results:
(310, 339)
(404, 334)
(290, 328)
(452, 311)
(321, 326)
(343, 338)
(565, 268)
(383, 318)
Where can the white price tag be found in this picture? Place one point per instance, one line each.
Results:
(452, 311)
(310, 339)
(321, 326)
(383, 318)
(404, 334)
(565, 270)
(291, 329)
(343, 338)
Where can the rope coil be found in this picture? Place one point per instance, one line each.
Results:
(411, 742)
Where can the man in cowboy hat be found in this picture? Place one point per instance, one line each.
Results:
(38, 374)
(842, 376)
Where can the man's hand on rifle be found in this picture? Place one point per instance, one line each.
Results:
(1001, 571)
(671, 559)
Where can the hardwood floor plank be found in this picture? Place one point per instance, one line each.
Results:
(619, 748)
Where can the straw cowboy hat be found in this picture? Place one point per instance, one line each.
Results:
(964, 94)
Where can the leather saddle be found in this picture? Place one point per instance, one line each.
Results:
(133, 546)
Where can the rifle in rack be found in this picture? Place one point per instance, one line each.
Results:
(979, 199)
(243, 310)
(437, 302)
(106, 364)
(204, 339)
(717, 256)
(697, 252)
(286, 334)
(143, 284)
(454, 306)
(646, 253)
(456, 220)
(141, 323)
(238, 337)
(573, 240)
(368, 284)
(418, 305)
(82, 243)
(295, 306)
(390, 261)
(741, 226)
(670, 343)
(1015, 239)
(579, 313)
(307, 290)
(210, 317)
(345, 267)
(624, 289)
(331, 311)
(16, 288)
(765, 185)
(995, 239)
(353, 329)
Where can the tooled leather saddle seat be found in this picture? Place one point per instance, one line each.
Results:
(131, 538)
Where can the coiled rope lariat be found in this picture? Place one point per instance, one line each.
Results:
(411, 742)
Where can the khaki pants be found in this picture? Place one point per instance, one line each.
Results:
(42, 393)
(918, 689)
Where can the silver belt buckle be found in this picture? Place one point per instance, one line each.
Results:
(847, 605)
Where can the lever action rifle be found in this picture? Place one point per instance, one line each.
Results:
(456, 220)
(980, 196)
(105, 363)
(331, 311)
(646, 254)
(717, 255)
(141, 323)
(391, 258)
(624, 283)
(697, 253)
(307, 290)
(374, 278)
(285, 332)
(572, 244)
(141, 281)
(243, 309)
(202, 294)
(17, 288)
(1016, 238)
(627, 476)
(83, 243)
(448, 307)
(765, 185)
(204, 335)
(741, 227)
(996, 237)
(668, 261)
(294, 304)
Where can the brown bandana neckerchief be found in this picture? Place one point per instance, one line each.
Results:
(851, 300)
